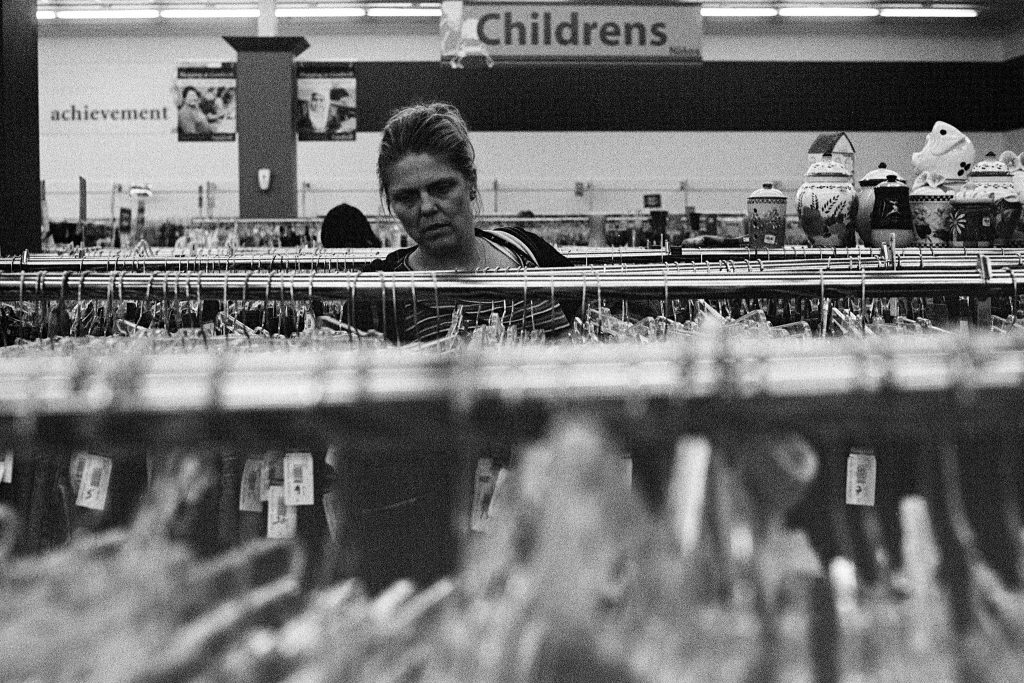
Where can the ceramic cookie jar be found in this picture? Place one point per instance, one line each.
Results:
(826, 204)
(992, 176)
(930, 208)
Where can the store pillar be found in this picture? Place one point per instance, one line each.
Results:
(20, 210)
(267, 172)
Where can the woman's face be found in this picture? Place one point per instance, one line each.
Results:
(433, 202)
(191, 98)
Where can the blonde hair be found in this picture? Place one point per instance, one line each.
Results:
(437, 129)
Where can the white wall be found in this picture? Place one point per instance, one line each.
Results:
(533, 170)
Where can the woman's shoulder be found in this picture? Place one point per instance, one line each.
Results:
(396, 260)
(545, 255)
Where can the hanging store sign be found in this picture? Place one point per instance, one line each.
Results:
(326, 94)
(205, 100)
(536, 32)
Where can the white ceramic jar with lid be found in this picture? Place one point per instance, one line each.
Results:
(826, 203)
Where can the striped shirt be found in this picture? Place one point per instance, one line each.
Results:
(430, 316)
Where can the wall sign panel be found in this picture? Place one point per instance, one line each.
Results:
(326, 94)
(490, 33)
(205, 102)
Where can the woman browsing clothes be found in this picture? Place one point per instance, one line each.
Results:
(427, 174)
(398, 509)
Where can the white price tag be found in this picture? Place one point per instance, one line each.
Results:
(860, 478)
(483, 490)
(250, 495)
(282, 520)
(298, 478)
(92, 491)
(7, 467)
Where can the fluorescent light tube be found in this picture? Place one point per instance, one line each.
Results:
(108, 14)
(931, 13)
(320, 12)
(239, 13)
(402, 12)
(46, 14)
(828, 12)
(738, 12)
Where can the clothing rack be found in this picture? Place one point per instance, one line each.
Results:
(538, 283)
(274, 259)
(262, 258)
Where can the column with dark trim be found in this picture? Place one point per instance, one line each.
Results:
(20, 210)
(266, 125)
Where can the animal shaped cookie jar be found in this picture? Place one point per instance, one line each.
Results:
(947, 152)
(866, 199)
(826, 204)
(991, 176)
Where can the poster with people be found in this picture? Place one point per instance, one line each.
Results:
(327, 100)
(205, 101)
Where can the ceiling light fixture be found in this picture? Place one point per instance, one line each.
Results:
(828, 12)
(210, 13)
(402, 12)
(739, 12)
(320, 12)
(930, 13)
(108, 14)
(44, 14)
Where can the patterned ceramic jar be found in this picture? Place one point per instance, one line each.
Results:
(766, 217)
(993, 176)
(930, 207)
(866, 199)
(827, 204)
(891, 220)
(972, 217)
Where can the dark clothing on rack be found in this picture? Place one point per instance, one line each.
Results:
(430, 317)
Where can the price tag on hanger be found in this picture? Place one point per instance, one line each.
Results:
(298, 478)
(483, 491)
(92, 491)
(282, 519)
(861, 469)
(250, 496)
(7, 467)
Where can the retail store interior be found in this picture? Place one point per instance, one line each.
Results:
(700, 356)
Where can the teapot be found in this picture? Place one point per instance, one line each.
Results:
(826, 204)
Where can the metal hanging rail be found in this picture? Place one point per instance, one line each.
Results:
(355, 259)
(278, 259)
(592, 283)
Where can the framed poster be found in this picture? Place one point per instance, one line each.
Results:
(205, 101)
(326, 104)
